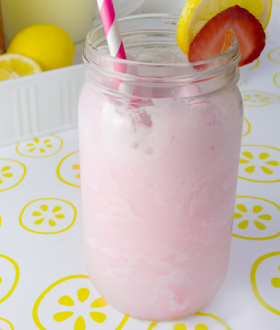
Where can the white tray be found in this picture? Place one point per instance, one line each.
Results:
(39, 104)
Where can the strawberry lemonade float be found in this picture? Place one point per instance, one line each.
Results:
(160, 138)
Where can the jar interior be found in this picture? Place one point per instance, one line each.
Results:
(154, 58)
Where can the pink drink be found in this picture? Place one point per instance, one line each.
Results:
(159, 167)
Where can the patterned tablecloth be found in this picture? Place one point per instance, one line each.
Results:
(43, 281)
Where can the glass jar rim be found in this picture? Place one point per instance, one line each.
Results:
(228, 58)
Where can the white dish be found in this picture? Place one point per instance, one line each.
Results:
(39, 104)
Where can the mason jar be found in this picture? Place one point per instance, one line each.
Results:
(159, 147)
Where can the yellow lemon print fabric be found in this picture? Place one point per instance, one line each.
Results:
(246, 127)
(68, 170)
(256, 218)
(40, 147)
(265, 281)
(12, 173)
(5, 324)
(199, 321)
(274, 55)
(73, 303)
(254, 64)
(255, 98)
(9, 276)
(48, 216)
(276, 79)
(259, 163)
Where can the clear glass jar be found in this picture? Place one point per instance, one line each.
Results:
(159, 146)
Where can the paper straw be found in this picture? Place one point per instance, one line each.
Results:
(111, 28)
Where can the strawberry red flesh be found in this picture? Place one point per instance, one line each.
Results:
(213, 39)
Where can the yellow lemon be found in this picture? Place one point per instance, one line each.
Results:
(13, 66)
(196, 13)
(49, 45)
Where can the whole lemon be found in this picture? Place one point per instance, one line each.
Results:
(48, 45)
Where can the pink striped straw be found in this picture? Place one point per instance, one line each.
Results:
(111, 28)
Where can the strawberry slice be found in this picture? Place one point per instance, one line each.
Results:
(217, 35)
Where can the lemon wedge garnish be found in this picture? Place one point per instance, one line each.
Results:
(196, 13)
(13, 66)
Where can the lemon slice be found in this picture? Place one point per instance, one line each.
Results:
(13, 66)
(196, 13)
